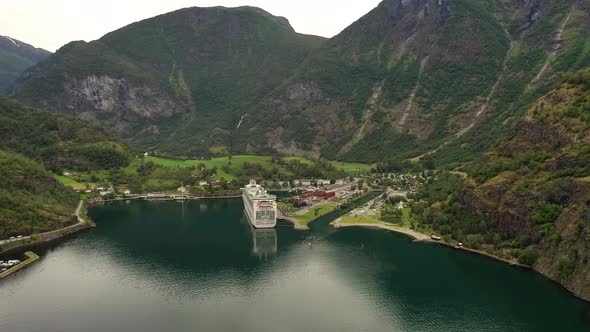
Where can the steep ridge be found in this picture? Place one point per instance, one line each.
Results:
(15, 57)
(436, 79)
(178, 82)
(534, 188)
(546, 34)
(446, 67)
(556, 48)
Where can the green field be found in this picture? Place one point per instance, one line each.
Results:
(348, 219)
(314, 213)
(351, 167)
(69, 182)
(373, 219)
(149, 173)
(236, 163)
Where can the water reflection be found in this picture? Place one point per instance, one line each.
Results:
(264, 240)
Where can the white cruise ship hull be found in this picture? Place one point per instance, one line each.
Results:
(260, 215)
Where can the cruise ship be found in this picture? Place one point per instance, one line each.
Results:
(260, 206)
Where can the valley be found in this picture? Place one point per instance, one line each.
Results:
(464, 123)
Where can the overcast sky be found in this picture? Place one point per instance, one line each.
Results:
(50, 24)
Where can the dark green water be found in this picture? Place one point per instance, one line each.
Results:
(168, 266)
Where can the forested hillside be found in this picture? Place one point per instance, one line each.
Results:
(58, 141)
(437, 79)
(529, 198)
(31, 200)
(179, 82)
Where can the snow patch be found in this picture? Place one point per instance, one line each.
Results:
(12, 40)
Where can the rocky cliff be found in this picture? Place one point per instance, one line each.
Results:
(178, 82)
(442, 79)
(534, 188)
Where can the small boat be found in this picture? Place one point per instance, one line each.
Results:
(435, 237)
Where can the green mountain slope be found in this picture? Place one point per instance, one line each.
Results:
(15, 57)
(556, 43)
(437, 79)
(31, 200)
(410, 77)
(58, 141)
(178, 82)
(534, 188)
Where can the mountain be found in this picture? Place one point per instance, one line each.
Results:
(58, 141)
(15, 57)
(31, 200)
(31, 143)
(534, 188)
(178, 82)
(441, 80)
(415, 77)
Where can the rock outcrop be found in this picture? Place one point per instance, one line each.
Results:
(534, 188)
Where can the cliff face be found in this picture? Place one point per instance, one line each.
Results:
(116, 103)
(178, 82)
(404, 79)
(412, 76)
(534, 188)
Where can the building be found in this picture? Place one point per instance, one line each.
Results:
(306, 182)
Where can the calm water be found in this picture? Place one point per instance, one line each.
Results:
(197, 266)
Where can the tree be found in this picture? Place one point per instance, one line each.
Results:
(360, 184)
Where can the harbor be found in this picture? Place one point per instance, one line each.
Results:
(190, 264)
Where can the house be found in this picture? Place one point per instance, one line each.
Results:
(323, 182)
(340, 182)
(307, 182)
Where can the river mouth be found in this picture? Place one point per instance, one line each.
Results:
(197, 265)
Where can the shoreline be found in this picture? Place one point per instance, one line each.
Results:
(296, 225)
(305, 227)
(8, 246)
(423, 238)
(31, 258)
(411, 234)
(145, 198)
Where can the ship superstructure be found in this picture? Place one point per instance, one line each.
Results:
(259, 205)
